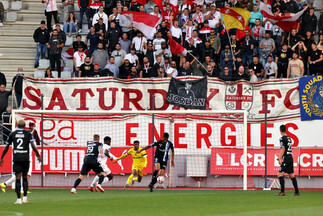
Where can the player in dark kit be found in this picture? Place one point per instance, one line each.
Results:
(161, 157)
(93, 152)
(21, 141)
(286, 162)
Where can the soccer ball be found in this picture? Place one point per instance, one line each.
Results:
(160, 179)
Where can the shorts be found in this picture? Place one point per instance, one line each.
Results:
(163, 164)
(21, 167)
(30, 168)
(105, 168)
(87, 167)
(287, 165)
(138, 169)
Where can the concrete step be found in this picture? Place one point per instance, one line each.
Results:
(10, 31)
(15, 63)
(31, 17)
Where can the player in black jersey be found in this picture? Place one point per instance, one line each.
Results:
(94, 150)
(161, 157)
(21, 141)
(286, 162)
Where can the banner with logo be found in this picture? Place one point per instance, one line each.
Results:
(228, 161)
(137, 94)
(311, 97)
(70, 160)
(187, 94)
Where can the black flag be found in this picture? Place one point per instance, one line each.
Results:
(188, 94)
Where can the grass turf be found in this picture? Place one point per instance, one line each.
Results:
(162, 202)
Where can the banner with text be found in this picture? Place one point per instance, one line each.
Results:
(137, 94)
(311, 97)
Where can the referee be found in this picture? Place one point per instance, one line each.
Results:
(21, 140)
(286, 162)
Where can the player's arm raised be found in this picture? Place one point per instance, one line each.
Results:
(146, 147)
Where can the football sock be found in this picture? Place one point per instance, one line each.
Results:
(96, 179)
(106, 179)
(130, 179)
(154, 178)
(295, 184)
(77, 182)
(101, 178)
(25, 184)
(135, 179)
(18, 187)
(11, 180)
(282, 184)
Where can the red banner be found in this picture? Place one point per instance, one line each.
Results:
(70, 160)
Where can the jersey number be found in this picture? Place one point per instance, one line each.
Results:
(20, 142)
(89, 149)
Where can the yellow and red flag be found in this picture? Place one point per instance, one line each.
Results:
(235, 18)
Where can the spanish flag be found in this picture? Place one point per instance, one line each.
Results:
(235, 18)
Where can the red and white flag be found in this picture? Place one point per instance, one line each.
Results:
(286, 23)
(159, 3)
(144, 22)
(197, 2)
(176, 48)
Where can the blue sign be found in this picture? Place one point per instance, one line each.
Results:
(311, 97)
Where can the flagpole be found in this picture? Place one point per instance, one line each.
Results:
(234, 65)
(198, 61)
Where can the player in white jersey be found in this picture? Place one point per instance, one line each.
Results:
(103, 163)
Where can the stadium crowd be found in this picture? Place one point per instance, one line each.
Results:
(261, 51)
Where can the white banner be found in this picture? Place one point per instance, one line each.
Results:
(115, 94)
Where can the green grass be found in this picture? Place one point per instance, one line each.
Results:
(132, 202)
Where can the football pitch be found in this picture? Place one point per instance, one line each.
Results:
(162, 202)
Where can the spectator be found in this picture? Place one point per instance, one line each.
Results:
(164, 52)
(125, 69)
(292, 39)
(86, 69)
(186, 70)
(184, 6)
(94, 40)
(97, 72)
(84, 8)
(114, 17)
(118, 55)
(94, 8)
(216, 44)
(7, 122)
(295, 67)
(308, 40)
(147, 69)
(320, 24)
(51, 10)
(55, 45)
(172, 71)
(291, 6)
(271, 69)
(78, 59)
(247, 46)
(3, 79)
(258, 33)
(214, 18)
(267, 47)
(253, 77)
(100, 56)
(157, 66)
(4, 95)
(278, 5)
(41, 37)
(113, 67)
(61, 34)
(235, 45)
(133, 73)
(140, 44)
(78, 43)
(197, 40)
(255, 14)
(211, 71)
(192, 53)
(70, 26)
(132, 57)
(108, 6)
(149, 7)
(135, 6)
(125, 24)
(113, 37)
(158, 41)
(125, 43)
(320, 43)
(168, 16)
(68, 8)
(206, 62)
(301, 51)
(17, 85)
(282, 58)
(226, 57)
(166, 65)
(198, 16)
(150, 53)
(315, 58)
(34, 132)
(100, 28)
(240, 74)
(257, 67)
(278, 36)
(100, 14)
(1, 14)
(48, 73)
(226, 76)
(205, 31)
(206, 50)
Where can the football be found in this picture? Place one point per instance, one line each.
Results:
(160, 179)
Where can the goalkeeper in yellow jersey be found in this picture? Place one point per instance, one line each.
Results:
(138, 165)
